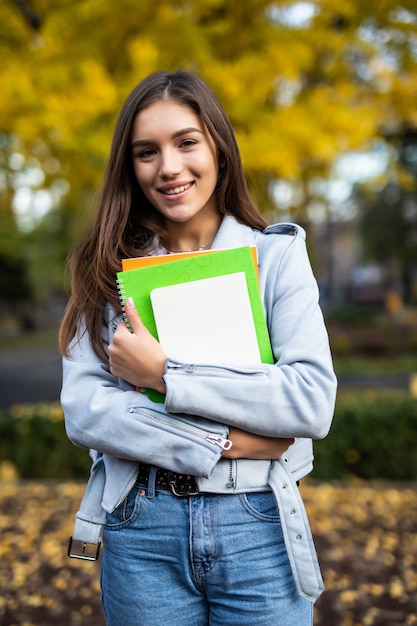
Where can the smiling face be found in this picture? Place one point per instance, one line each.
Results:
(175, 162)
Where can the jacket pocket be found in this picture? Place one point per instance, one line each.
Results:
(168, 422)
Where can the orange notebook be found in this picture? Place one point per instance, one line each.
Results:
(146, 261)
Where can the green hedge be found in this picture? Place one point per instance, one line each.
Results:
(33, 441)
(373, 436)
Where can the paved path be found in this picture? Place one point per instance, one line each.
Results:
(374, 381)
(34, 375)
(29, 375)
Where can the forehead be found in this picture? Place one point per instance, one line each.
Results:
(165, 116)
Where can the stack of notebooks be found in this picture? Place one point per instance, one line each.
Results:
(203, 307)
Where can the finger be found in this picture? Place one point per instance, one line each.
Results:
(133, 316)
(120, 331)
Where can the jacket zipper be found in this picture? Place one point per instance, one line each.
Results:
(232, 479)
(126, 492)
(217, 440)
(189, 369)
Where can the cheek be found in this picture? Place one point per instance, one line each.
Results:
(142, 176)
(206, 166)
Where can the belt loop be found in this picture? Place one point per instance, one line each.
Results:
(152, 481)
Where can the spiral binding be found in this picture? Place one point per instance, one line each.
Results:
(122, 297)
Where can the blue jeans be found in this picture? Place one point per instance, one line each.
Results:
(211, 560)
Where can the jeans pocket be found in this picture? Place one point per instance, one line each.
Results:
(261, 505)
(126, 513)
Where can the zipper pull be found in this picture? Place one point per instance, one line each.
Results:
(231, 484)
(225, 444)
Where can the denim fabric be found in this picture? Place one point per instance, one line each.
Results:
(211, 560)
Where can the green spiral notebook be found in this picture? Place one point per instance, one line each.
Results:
(204, 308)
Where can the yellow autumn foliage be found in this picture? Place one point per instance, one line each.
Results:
(66, 81)
(366, 537)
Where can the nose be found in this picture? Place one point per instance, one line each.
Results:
(170, 163)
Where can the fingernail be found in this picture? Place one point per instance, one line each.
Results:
(130, 303)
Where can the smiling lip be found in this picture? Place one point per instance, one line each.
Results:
(175, 190)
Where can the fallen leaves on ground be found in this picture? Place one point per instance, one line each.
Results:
(40, 585)
(366, 536)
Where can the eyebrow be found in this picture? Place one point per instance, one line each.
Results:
(179, 133)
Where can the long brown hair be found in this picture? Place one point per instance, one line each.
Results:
(126, 224)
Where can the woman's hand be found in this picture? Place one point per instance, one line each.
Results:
(249, 446)
(137, 357)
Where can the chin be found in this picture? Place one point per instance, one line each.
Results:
(180, 218)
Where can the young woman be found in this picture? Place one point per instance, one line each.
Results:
(203, 521)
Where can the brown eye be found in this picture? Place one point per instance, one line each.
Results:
(188, 143)
(145, 154)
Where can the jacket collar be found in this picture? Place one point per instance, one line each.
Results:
(233, 232)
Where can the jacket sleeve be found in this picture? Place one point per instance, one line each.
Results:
(108, 415)
(295, 397)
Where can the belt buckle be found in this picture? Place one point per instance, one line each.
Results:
(78, 549)
(180, 494)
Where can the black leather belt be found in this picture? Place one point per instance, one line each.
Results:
(181, 485)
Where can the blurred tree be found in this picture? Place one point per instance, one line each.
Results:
(389, 234)
(388, 216)
(14, 283)
(301, 81)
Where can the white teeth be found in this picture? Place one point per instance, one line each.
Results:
(171, 192)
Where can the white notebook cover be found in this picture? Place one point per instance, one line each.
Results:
(207, 321)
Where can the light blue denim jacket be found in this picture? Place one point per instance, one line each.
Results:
(293, 398)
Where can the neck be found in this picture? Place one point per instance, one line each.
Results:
(198, 249)
(187, 238)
